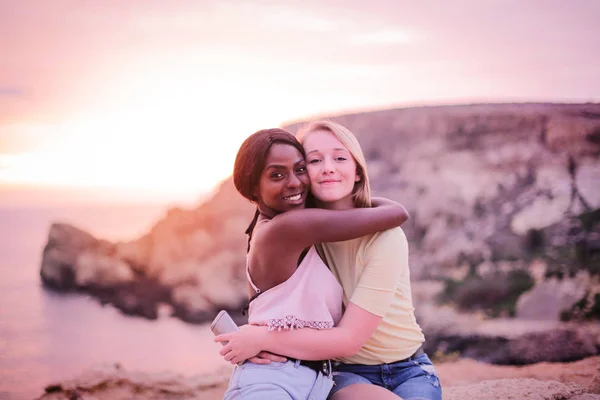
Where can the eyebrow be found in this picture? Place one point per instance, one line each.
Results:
(336, 149)
(279, 166)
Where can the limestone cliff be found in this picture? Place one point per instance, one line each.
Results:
(491, 189)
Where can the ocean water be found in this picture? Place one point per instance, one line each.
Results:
(45, 336)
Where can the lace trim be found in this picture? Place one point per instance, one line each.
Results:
(291, 322)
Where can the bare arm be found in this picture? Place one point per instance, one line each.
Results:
(355, 328)
(371, 299)
(310, 226)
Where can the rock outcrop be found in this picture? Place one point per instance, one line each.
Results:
(501, 197)
(191, 260)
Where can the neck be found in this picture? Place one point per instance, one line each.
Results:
(346, 203)
(267, 212)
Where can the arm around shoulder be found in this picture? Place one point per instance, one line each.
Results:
(311, 226)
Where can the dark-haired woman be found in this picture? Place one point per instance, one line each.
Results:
(290, 286)
(378, 342)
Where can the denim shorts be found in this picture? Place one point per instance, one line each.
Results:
(411, 380)
(278, 381)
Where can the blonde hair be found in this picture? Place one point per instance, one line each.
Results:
(361, 194)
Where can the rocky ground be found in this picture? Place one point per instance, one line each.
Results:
(461, 379)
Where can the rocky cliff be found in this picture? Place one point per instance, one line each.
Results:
(504, 203)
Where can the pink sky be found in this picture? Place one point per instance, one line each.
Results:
(134, 93)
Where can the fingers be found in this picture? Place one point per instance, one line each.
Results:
(237, 360)
(225, 350)
(222, 338)
(271, 356)
(229, 357)
(260, 361)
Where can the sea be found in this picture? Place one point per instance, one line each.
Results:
(46, 336)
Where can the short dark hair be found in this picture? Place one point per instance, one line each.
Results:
(252, 155)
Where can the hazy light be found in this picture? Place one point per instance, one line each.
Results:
(385, 37)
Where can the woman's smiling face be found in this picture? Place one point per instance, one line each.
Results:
(284, 181)
(331, 168)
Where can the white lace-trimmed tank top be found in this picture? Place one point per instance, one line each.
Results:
(310, 298)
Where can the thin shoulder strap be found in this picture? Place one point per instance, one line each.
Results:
(256, 289)
(321, 253)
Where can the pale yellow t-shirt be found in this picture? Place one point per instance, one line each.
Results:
(373, 270)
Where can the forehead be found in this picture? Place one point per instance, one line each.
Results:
(282, 154)
(322, 140)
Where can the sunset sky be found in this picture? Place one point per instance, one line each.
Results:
(151, 99)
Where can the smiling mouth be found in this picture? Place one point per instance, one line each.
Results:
(295, 197)
(328, 182)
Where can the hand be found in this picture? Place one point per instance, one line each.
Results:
(242, 344)
(264, 357)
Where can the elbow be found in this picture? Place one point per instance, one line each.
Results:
(350, 346)
(403, 215)
(350, 350)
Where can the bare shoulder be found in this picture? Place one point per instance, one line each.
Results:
(272, 236)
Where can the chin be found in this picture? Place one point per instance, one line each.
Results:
(329, 197)
(295, 206)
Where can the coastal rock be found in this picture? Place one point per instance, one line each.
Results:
(490, 188)
(505, 341)
(557, 345)
(101, 270)
(551, 297)
(68, 245)
(192, 260)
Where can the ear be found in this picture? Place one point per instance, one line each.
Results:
(357, 178)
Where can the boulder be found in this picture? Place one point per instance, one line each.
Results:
(551, 297)
(559, 345)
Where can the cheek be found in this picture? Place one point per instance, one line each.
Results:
(304, 178)
(313, 172)
(266, 190)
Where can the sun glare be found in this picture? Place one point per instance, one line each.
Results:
(179, 136)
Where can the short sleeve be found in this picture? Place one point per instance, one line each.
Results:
(386, 260)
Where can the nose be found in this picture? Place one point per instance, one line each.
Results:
(327, 166)
(294, 181)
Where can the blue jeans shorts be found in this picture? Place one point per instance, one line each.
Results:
(411, 380)
(278, 381)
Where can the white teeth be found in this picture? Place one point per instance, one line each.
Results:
(294, 198)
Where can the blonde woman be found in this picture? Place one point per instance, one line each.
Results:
(290, 287)
(378, 343)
